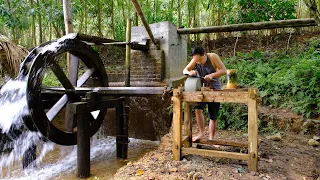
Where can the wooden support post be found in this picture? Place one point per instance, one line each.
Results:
(187, 124)
(122, 130)
(177, 124)
(253, 130)
(80, 112)
(128, 53)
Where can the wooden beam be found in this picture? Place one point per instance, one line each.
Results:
(143, 19)
(187, 124)
(94, 39)
(177, 124)
(214, 153)
(216, 96)
(253, 130)
(224, 143)
(250, 26)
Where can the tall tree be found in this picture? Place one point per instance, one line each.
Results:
(314, 9)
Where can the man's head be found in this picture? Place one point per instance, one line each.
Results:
(199, 54)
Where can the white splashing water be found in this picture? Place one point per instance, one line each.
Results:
(101, 150)
(13, 106)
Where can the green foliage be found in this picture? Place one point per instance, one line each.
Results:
(289, 81)
(266, 10)
(283, 80)
(233, 116)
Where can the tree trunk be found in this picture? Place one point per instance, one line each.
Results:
(154, 11)
(313, 8)
(99, 19)
(39, 23)
(72, 61)
(112, 20)
(179, 13)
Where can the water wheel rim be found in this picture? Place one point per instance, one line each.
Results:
(40, 63)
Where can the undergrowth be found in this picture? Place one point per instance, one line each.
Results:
(284, 79)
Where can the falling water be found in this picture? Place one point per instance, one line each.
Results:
(13, 106)
(53, 161)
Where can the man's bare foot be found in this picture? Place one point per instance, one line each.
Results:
(197, 138)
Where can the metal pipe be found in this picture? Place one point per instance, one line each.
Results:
(128, 53)
(143, 19)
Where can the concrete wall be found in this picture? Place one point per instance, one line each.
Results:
(173, 45)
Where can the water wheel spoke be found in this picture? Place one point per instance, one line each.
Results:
(57, 70)
(85, 77)
(56, 108)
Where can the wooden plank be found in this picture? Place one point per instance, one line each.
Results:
(224, 143)
(216, 96)
(187, 124)
(214, 153)
(253, 130)
(177, 124)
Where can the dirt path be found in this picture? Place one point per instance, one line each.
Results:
(289, 158)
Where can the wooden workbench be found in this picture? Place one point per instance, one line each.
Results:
(183, 144)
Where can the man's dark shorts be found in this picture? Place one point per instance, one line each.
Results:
(213, 109)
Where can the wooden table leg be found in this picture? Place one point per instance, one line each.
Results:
(177, 124)
(187, 124)
(253, 130)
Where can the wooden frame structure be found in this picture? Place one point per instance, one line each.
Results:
(183, 144)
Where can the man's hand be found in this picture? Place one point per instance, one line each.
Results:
(192, 73)
(208, 77)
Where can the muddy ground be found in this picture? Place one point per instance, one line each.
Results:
(290, 158)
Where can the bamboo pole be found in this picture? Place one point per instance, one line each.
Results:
(72, 61)
(143, 19)
(128, 53)
(250, 26)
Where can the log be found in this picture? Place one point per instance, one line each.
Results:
(104, 41)
(250, 26)
(143, 19)
(94, 39)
